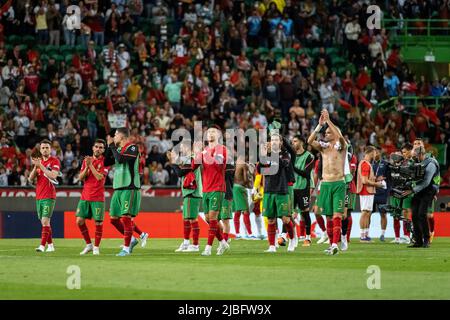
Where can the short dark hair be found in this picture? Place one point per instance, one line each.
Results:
(100, 141)
(46, 141)
(124, 131)
(301, 138)
(408, 146)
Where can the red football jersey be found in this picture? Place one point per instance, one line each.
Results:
(214, 164)
(94, 190)
(44, 188)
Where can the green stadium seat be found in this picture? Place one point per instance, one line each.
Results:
(332, 51)
(29, 41)
(315, 52)
(263, 51)
(58, 58)
(80, 49)
(14, 40)
(68, 59)
(291, 51)
(52, 50)
(66, 49)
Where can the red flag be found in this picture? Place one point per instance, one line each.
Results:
(427, 113)
(109, 105)
(5, 7)
(345, 104)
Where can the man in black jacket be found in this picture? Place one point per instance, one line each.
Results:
(276, 198)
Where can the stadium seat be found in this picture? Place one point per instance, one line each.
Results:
(14, 40)
(291, 51)
(29, 41)
(68, 59)
(332, 51)
(66, 49)
(263, 51)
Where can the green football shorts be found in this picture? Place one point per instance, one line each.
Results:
(125, 202)
(191, 206)
(212, 201)
(332, 197)
(225, 210)
(44, 208)
(275, 205)
(240, 201)
(91, 210)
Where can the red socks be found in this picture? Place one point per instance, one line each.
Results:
(118, 224)
(405, 228)
(219, 234)
(44, 235)
(187, 229)
(431, 223)
(212, 231)
(290, 229)
(237, 221)
(247, 223)
(195, 232)
(225, 236)
(85, 233)
(271, 230)
(49, 238)
(330, 230)
(136, 229)
(397, 228)
(320, 222)
(98, 234)
(349, 227)
(302, 229)
(127, 230)
(337, 225)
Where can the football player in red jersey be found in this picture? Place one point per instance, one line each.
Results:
(46, 169)
(213, 160)
(92, 202)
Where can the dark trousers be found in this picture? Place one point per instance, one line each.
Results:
(420, 204)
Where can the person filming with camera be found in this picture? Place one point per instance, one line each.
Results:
(423, 194)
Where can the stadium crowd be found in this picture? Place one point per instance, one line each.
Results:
(71, 70)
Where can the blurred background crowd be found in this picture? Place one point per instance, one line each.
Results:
(72, 71)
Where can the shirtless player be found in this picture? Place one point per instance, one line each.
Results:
(332, 189)
(240, 198)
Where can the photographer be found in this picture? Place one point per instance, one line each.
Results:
(424, 191)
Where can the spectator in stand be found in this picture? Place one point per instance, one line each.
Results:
(70, 25)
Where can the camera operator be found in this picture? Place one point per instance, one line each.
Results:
(424, 192)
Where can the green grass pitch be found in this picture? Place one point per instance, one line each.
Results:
(245, 272)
